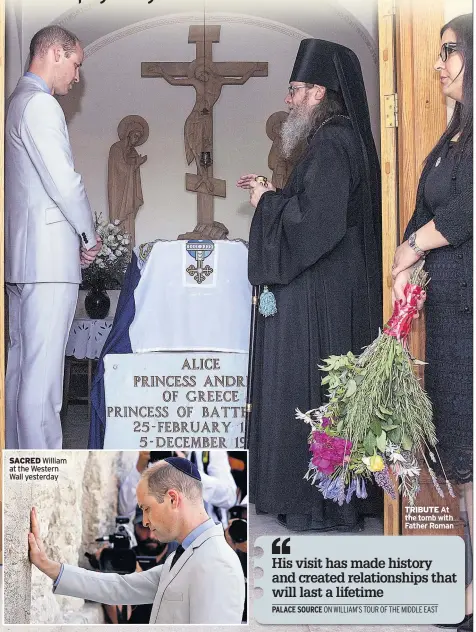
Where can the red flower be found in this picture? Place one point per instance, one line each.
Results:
(328, 452)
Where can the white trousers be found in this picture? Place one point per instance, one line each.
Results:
(40, 317)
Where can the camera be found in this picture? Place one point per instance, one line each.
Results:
(238, 531)
(238, 527)
(238, 511)
(119, 558)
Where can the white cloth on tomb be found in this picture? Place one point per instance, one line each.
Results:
(174, 312)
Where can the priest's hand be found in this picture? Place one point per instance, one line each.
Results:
(37, 552)
(257, 189)
(405, 257)
(255, 194)
(244, 181)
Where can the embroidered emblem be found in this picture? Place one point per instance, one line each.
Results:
(143, 252)
(199, 249)
(438, 161)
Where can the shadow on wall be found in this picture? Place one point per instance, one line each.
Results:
(71, 102)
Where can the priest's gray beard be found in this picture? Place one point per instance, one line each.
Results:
(301, 121)
(296, 128)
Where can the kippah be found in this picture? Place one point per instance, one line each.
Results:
(185, 466)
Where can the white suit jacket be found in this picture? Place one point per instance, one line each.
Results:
(47, 212)
(206, 584)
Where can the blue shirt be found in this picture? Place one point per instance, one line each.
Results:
(41, 82)
(193, 535)
(56, 582)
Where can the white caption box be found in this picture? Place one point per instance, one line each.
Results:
(357, 580)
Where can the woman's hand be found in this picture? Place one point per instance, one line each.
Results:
(399, 283)
(398, 290)
(405, 257)
(37, 551)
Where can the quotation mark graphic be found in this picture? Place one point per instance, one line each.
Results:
(284, 549)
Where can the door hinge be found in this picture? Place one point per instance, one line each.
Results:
(391, 110)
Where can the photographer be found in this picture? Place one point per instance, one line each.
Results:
(202, 582)
(148, 552)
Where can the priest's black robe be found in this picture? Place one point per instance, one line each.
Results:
(314, 243)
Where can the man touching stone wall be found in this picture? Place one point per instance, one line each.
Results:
(75, 508)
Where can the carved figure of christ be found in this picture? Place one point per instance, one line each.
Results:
(208, 78)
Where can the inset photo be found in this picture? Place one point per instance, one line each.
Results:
(125, 537)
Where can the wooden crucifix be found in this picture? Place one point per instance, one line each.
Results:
(207, 77)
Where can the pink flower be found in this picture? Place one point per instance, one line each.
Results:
(325, 421)
(328, 452)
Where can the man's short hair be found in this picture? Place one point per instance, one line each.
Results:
(162, 476)
(50, 36)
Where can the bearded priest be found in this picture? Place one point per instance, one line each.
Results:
(314, 249)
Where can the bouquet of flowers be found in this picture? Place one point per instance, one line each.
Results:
(107, 270)
(378, 418)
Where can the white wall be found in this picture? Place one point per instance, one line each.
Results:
(112, 88)
(457, 7)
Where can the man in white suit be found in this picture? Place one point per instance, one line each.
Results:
(202, 582)
(49, 235)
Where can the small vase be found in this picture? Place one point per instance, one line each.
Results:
(97, 303)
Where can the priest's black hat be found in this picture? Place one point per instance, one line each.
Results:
(315, 64)
(184, 465)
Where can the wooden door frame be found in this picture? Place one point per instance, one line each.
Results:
(389, 175)
(408, 44)
(2, 275)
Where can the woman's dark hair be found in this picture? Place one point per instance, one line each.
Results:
(462, 119)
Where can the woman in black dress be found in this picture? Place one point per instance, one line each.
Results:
(441, 230)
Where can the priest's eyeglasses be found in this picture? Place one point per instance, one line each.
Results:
(447, 49)
(292, 89)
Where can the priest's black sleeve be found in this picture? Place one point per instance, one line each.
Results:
(291, 230)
